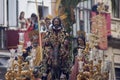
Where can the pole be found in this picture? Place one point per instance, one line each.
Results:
(40, 37)
(42, 9)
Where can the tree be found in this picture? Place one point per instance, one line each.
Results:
(66, 12)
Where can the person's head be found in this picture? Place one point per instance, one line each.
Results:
(42, 23)
(36, 73)
(47, 21)
(22, 14)
(56, 22)
(98, 3)
(81, 40)
(106, 8)
(34, 17)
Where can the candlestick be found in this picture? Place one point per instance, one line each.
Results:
(21, 37)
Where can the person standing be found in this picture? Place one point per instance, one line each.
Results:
(29, 28)
(48, 22)
(22, 28)
(34, 20)
(22, 21)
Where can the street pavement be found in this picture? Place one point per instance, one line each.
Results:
(4, 56)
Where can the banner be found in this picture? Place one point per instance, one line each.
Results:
(99, 29)
(108, 21)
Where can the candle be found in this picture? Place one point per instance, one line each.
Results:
(10, 63)
(21, 37)
(91, 55)
(28, 44)
(12, 51)
(94, 50)
(31, 63)
(87, 36)
(19, 49)
(106, 66)
(101, 54)
(33, 53)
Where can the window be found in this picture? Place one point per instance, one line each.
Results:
(12, 13)
(8, 13)
(43, 11)
(117, 73)
(83, 15)
(116, 8)
(40, 9)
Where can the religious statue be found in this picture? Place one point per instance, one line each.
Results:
(79, 57)
(56, 50)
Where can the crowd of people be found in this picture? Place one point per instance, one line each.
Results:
(30, 24)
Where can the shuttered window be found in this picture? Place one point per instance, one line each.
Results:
(116, 8)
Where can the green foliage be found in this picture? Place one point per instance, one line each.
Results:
(69, 3)
(69, 6)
